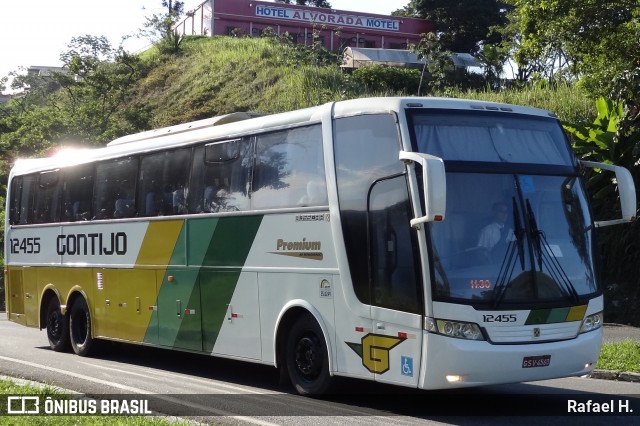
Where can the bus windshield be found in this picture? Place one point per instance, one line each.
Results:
(517, 227)
(491, 137)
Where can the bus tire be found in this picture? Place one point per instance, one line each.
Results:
(80, 327)
(306, 357)
(57, 327)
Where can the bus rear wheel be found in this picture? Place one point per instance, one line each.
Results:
(57, 327)
(80, 328)
(307, 361)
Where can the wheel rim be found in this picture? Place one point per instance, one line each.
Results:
(308, 357)
(54, 327)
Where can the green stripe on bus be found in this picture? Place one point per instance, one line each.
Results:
(552, 316)
(193, 306)
(175, 296)
(558, 315)
(232, 241)
(229, 247)
(538, 316)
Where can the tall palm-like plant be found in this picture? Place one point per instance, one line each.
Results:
(614, 138)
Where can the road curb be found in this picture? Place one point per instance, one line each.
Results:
(622, 376)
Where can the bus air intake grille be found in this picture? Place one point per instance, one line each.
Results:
(533, 333)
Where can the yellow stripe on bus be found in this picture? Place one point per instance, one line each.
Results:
(576, 313)
(159, 242)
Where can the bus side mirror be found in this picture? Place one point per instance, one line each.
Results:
(434, 184)
(626, 192)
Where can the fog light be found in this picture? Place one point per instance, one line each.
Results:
(454, 378)
(588, 365)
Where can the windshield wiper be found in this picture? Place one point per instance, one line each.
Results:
(518, 232)
(545, 256)
(509, 263)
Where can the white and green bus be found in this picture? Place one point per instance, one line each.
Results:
(423, 242)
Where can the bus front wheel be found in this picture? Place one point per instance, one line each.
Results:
(57, 327)
(80, 328)
(307, 361)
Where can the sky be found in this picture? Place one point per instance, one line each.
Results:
(38, 31)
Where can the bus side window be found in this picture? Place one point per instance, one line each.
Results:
(150, 189)
(220, 177)
(114, 194)
(21, 203)
(47, 197)
(14, 204)
(289, 169)
(195, 200)
(176, 179)
(77, 193)
(392, 245)
(163, 183)
(366, 150)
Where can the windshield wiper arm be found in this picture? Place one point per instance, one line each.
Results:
(554, 267)
(509, 263)
(518, 232)
(535, 234)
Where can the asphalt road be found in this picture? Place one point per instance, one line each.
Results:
(214, 390)
(619, 332)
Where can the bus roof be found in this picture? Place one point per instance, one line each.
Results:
(186, 127)
(235, 124)
(371, 105)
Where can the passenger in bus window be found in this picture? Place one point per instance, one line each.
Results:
(178, 201)
(495, 236)
(316, 194)
(209, 204)
(150, 208)
(123, 208)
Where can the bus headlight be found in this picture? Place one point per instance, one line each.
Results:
(591, 322)
(457, 329)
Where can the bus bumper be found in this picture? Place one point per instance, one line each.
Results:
(455, 363)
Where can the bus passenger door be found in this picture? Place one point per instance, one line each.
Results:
(395, 344)
(179, 309)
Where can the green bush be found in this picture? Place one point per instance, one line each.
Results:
(383, 79)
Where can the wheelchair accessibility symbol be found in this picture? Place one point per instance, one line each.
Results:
(406, 366)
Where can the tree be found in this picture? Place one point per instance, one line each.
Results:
(38, 88)
(437, 61)
(614, 138)
(315, 3)
(86, 102)
(96, 88)
(99, 81)
(462, 25)
(529, 62)
(589, 40)
(159, 28)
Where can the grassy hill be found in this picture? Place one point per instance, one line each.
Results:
(220, 75)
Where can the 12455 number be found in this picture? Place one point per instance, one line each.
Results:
(25, 245)
(500, 318)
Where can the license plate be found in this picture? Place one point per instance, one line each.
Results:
(536, 361)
